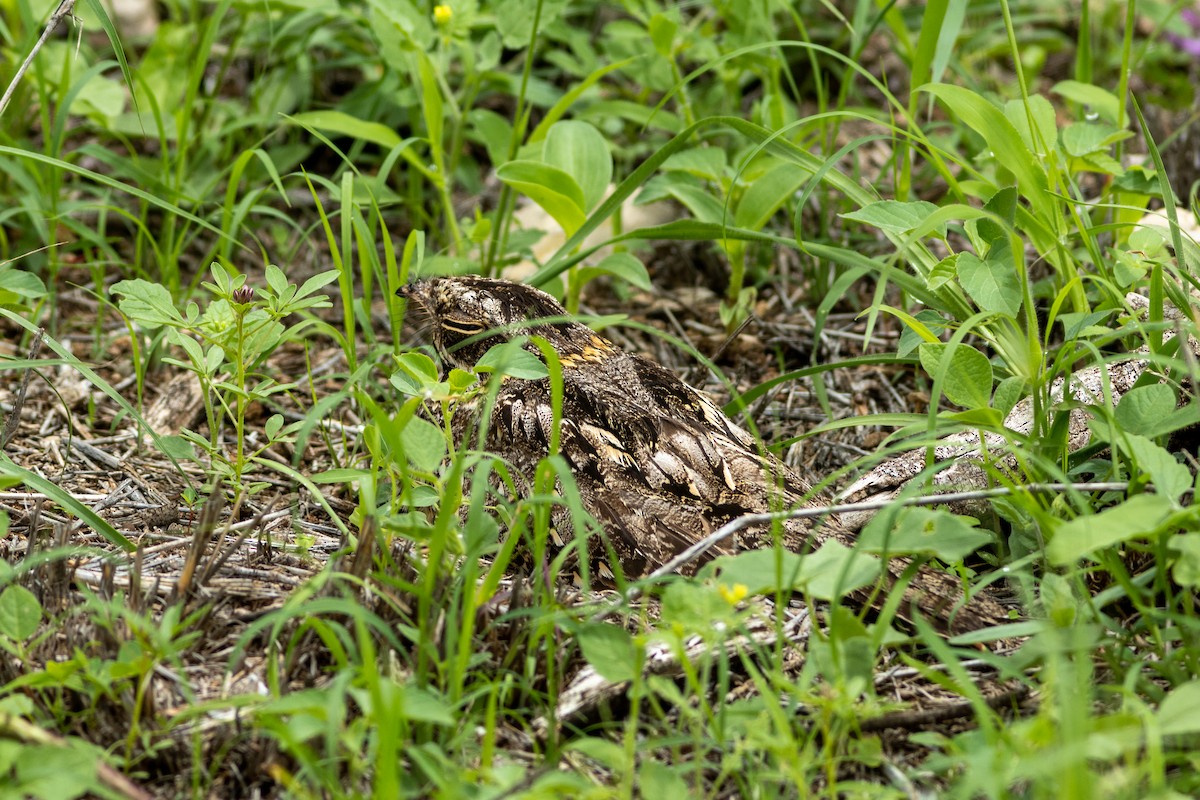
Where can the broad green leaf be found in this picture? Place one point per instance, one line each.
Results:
(424, 444)
(514, 19)
(1138, 516)
(1008, 393)
(1171, 478)
(924, 531)
(22, 284)
(688, 191)
(1102, 101)
(943, 272)
(177, 447)
(1085, 138)
(148, 304)
(1083, 323)
(579, 150)
(20, 613)
(342, 124)
(768, 193)
(1179, 711)
(620, 265)
(992, 282)
(1186, 568)
(967, 380)
(609, 649)
(423, 705)
(602, 751)
(757, 570)
(414, 25)
(894, 216)
(510, 358)
(834, 569)
(1043, 136)
(1142, 408)
(493, 130)
(995, 226)
(1059, 601)
(920, 328)
(827, 574)
(660, 780)
(420, 366)
(1002, 138)
(549, 187)
(662, 33)
(53, 772)
(706, 163)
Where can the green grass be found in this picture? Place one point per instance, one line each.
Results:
(970, 181)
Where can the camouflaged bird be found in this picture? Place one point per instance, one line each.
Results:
(656, 461)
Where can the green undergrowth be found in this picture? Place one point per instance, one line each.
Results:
(244, 191)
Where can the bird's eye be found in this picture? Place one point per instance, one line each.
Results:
(463, 327)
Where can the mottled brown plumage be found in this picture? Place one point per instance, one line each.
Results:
(656, 461)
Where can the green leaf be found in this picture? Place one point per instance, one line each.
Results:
(20, 613)
(51, 772)
(1045, 125)
(706, 163)
(514, 19)
(1142, 408)
(1008, 393)
(148, 304)
(579, 150)
(894, 216)
(923, 531)
(827, 574)
(177, 447)
(662, 31)
(659, 780)
(1171, 478)
(1002, 138)
(510, 358)
(943, 272)
(342, 124)
(423, 443)
(1186, 568)
(834, 569)
(413, 24)
(609, 649)
(967, 380)
(1179, 711)
(416, 373)
(549, 187)
(20, 284)
(493, 130)
(423, 705)
(1086, 138)
(1138, 516)
(1083, 323)
(992, 282)
(1102, 101)
(768, 193)
(693, 606)
(620, 265)
(695, 197)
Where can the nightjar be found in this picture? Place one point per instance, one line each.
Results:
(656, 462)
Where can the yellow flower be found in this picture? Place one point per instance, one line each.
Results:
(442, 14)
(733, 594)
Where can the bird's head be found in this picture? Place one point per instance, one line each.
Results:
(469, 315)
